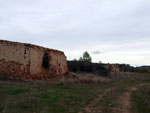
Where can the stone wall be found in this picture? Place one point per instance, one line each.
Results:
(58, 65)
(113, 67)
(24, 61)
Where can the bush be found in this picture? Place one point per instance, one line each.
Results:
(128, 68)
(81, 66)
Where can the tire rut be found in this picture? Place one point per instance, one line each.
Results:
(125, 100)
(91, 108)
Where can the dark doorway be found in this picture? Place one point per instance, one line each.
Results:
(46, 60)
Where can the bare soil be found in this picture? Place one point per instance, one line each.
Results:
(124, 101)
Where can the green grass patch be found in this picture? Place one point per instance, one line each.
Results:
(26, 97)
(45, 97)
(141, 100)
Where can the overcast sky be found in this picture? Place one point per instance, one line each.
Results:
(114, 31)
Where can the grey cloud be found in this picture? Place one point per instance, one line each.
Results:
(96, 52)
(75, 24)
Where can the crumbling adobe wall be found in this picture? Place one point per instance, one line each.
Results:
(14, 60)
(57, 63)
(24, 61)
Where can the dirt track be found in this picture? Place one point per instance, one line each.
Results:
(124, 101)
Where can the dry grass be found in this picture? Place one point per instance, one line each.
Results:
(128, 75)
(84, 78)
(97, 79)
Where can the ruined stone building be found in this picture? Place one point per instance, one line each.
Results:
(113, 67)
(27, 61)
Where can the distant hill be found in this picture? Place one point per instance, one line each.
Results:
(144, 67)
(147, 68)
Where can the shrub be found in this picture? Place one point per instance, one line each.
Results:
(81, 66)
(128, 68)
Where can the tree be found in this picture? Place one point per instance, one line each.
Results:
(86, 57)
(75, 60)
(100, 62)
(80, 59)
